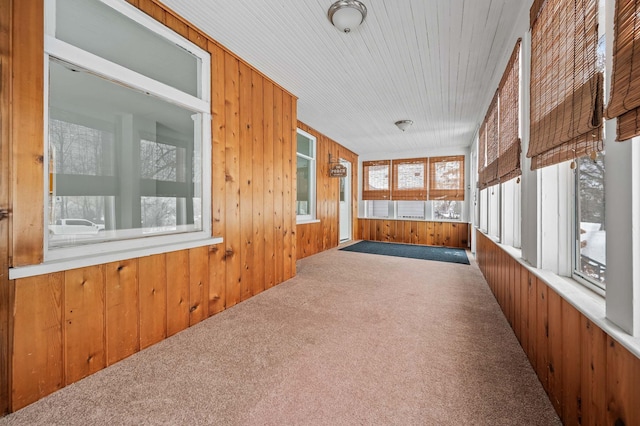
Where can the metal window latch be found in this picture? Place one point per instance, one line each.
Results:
(4, 213)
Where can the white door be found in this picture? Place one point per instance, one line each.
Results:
(345, 204)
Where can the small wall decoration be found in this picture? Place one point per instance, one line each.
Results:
(337, 170)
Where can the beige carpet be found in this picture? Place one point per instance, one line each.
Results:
(354, 339)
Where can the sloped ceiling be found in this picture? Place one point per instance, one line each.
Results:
(436, 62)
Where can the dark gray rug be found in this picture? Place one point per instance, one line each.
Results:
(440, 254)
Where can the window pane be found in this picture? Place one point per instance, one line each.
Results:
(446, 209)
(304, 175)
(591, 247)
(99, 29)
(411, 176)
(305, 145)
(119, 161)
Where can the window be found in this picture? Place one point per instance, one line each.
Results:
(446, 178)
(128, 114)
(410, 210)
(306, 175)
(377, 208)
(375, 175)
(410, 179)
(591, 235)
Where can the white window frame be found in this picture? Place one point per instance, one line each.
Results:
(302, 218)
(200, 106)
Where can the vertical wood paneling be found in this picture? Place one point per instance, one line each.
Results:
(233, 240)
(294, 184)
(152, 273)
(38, 363)
(246, 182)
(198, 284)
(278, 185)
(622, 382)
(177, 291)
(555, 388)
(84, 350)
(268, 176)
(589, 377)
(409, 232)
(27, 127)
(571, 365)
(107, 312)
(217, 255)
(542, 336)
(6, 286)
(257, 183)
(595, 364)
(288, 207)
(121, 290)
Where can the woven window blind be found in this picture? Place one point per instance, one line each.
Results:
(446, 178)
(492, 140)
(624, 102)
(509, 141)
(566, 89)
(375, 180)
(409, 179)
(482, 154)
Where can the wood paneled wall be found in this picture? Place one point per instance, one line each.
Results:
(449, 234)
(313, 238)
(590, 378)
(70, 324)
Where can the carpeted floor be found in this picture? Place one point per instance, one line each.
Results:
(352, 340)
(412, 251)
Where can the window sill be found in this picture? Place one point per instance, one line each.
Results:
(307, 221)
(413, 220)
(99, 259)
(585, 300)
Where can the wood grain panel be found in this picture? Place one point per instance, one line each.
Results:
(278, 185)
(84, 313)
(198, 284)
(217, 264)
(571, 365)
(542, 336)
(233, 239)
(26, 127)
(122, 322)
(246, 182)
(6, 286)
(152, 282)
(532, 297)
(257, 101)
(38, 363)
(622, 385)
(268, 176)
(411, 232)
(524, 309)
(288, 204)
(177, 291)
(595, 368)
(152, 9)
(554, 361)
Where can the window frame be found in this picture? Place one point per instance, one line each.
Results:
(200, 106)
(312, 178)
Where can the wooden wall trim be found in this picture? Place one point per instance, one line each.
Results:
(590, 377)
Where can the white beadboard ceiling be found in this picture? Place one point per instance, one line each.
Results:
(436, 62)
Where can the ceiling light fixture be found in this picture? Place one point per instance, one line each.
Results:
(346, 15)
(403, 124)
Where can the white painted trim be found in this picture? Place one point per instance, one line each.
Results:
(112, 71)
(307, 221)
(102, 258)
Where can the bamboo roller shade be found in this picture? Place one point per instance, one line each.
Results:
(489, 173)
(624, 102)
(409, 179)
(509, 147)
(379, 188)
(566, 87)
(446, 178)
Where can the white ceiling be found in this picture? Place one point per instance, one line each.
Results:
(436, 62)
